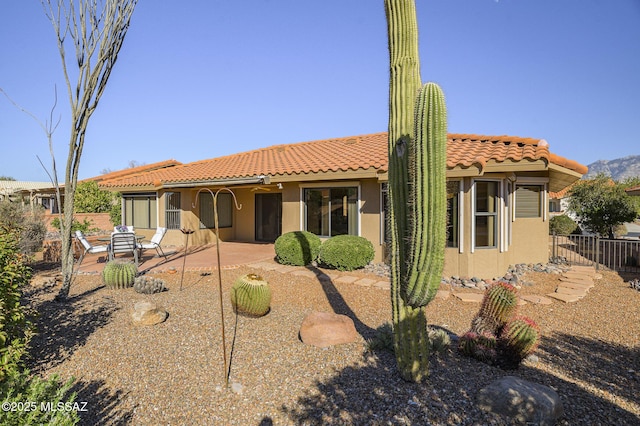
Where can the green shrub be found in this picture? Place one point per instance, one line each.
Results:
(84, 226)
(382, 340)
(346, 252)
(562, 225)
(298, 248)
(38, 402)
(15, 327)
(17, 386)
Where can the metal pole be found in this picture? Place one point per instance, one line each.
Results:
(186, 232)
(224, 344)
(597, 252)
(215, 222)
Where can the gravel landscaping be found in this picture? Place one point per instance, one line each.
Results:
(173, 373)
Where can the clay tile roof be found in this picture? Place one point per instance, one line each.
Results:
(362, 152)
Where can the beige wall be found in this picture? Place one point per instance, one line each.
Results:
(528, 243)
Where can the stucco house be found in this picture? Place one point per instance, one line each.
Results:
(497, 196)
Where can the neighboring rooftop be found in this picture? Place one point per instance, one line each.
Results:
(131, 171)
(10, 187)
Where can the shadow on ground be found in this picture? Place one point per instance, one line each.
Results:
(62, 327)
(103, 406)
(373, 393)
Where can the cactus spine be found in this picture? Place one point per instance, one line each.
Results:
(148, 285)
(119, 274)
(516, 336)
(417, 144)
(428, 196)
(520, 337)
(251, 295)
(499, 305)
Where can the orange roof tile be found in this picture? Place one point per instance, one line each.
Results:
(342, 154)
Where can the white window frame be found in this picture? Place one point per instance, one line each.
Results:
(499, 215)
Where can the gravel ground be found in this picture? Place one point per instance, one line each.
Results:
(173, 373)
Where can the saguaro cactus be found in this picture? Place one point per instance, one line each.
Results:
(417, 167)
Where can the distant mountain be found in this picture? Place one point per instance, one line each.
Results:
(619, 169)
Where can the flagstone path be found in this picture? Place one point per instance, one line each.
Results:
(574, 284)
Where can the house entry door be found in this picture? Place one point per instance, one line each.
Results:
(268, 217)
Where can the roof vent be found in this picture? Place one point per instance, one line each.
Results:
(351, 141)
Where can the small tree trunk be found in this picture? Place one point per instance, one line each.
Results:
(67, 258)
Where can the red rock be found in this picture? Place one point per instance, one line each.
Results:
(323, 329)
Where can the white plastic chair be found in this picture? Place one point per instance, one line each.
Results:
(88, 247)
(123, 242)
(155, 242)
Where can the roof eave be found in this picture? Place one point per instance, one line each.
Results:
(261, 179)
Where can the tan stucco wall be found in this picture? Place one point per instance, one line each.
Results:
(370, 226)
(528, 244)
(530, 240)
(529, 237)
(369, 209)
(291, 207)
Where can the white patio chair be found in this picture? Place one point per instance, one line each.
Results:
(123, 242)
(88, 247)
(155, 242)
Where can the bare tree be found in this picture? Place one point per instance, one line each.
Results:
(96, 30)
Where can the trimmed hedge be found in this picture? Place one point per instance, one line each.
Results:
(346, 252)
(298, 248)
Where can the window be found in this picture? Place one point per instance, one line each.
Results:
(555, 206)
(384, 212)
(172, 210)
(225, 210)
(486, 214)
(453, 213)
(331, 211)
(140, 210)
(528, 200)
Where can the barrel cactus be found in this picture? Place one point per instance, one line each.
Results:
(520, 337)
(498, 335)
(417, 191)
(481, 346)
(251, 296)
(499, 305)
(148, 285)
(119, 274)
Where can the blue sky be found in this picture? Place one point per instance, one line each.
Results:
(209, 78)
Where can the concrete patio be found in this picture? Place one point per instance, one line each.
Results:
(197, 258)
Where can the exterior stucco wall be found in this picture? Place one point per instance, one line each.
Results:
(528, 243)
(370, 217)
(528, 240)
